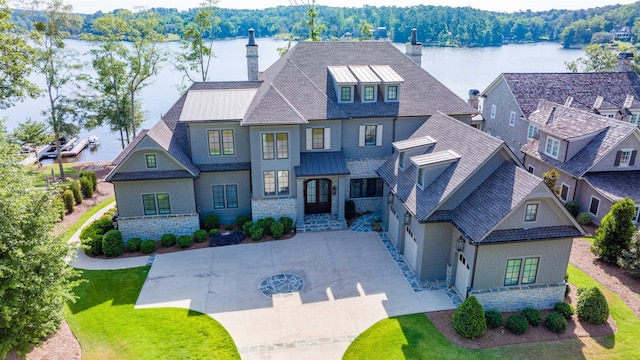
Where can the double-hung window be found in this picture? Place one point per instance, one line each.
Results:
(156, 204)
(317, 138)
(225, 196)
(635, 119)
(276, 182)
(531, 213)
(369, 93)
(370, 135)
(532, 132)
(149, 204)
(517, 274)
(625, 157)
(345, 93)
(151, 161)
(275, 145)
(392, 92)
(221, 142)
(552, 147)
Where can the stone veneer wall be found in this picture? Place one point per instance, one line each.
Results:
(360, 169)
(519, 297)
(275, 208)
(152, 227)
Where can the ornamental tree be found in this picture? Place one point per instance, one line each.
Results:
(615, 232)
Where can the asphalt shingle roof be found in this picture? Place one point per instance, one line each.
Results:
(224, 167)
(571, 123)
(151, 175)
(616, 185)
(540, 233)
(322, 164)
(528, 88)
(606, 140)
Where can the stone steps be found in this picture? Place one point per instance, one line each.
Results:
(321, 222)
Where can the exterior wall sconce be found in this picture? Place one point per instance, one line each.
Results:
(460, 244)
(389, 197)
(407, 218)
(334, 190)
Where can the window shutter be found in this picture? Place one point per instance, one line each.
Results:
(379, 135)
(327, 138)
(618, 156)
(309, 138)
(632, 161)
(361, 136)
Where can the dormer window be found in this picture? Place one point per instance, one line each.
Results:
(391, 93)
(369, 93)
(346, 93)
(431, 165)
(420, 180)
(390, 80)
(401, 157)
(552, 147)
(368, 83)
(410, 147)
(344, 83)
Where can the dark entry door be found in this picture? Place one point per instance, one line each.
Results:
(317, 196)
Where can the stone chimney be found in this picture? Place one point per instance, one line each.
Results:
(252, 57)
(474, 98)
(625, 62)
(414, 48)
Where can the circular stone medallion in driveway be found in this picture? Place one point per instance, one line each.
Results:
(281, 284)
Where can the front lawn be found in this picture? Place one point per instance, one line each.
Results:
(415, 337)
(107, 326)
(39, 173)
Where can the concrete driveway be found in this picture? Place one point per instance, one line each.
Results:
(350, 283)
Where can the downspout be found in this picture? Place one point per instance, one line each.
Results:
(473, 274)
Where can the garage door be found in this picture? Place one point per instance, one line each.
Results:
(462, 275)
(410, 247)
(393, 225)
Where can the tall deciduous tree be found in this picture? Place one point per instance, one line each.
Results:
(597, 59)
(34, 133)
(615, 232)
(197, 43)
(56, 64)
(36, 282)
(16, 62)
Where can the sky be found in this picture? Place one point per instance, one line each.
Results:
(91, 6)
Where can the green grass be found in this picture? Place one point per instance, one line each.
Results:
(39, 173)
(67, 234)
(107, 326)
(415, 337)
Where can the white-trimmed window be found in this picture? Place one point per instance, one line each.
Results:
(420, 179)
(516, 273)
(532, 132)
(275, 146)
(552, 148)
(346, 94)
(531, 212)
(318, 138)
(493, 111)
(512, 118)
(369, 93)
(564, 192)
(391, 93)
(625, 157)
(370, 135)
(635, 119)
(221, 142)
(636, 216)
(156, 204)
(225, 196)
(594, 206)
(151, 161)
(401, 158)
(276, 185)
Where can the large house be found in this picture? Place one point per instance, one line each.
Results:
(462, 208)
(595, 156)
(361, 121)
(512, 97)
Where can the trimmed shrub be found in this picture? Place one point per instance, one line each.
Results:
(517, 324)
(630, 259)
(257, 232)
(133, 245)
(266, 224)
(287, 224)
(493, 318)
(277, 230)
(241, 220)
(112, 243)
(556, 322)
(86, 188)
(211, 221)
(91, 241)
(200, 236)
(229, 227)
(376, 226)
(592, 306)
(67, 197)
(148, 246)
(57, 206)
(92, 178)
(74, 185)
(565, 309)
(168, 240)
(214, 231)
(533, 316)
(584, 218)
(572, 207)
(349, 209)
(184, 241)
(246, 228)
(469, 319)
(616, 229)
(102, 225)
(581, 290)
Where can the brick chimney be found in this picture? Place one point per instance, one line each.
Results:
(474, 98)
(252, 57)
(414, 48)
(625, 62)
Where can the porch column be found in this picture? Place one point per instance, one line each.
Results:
(300, 199)
(342, 187)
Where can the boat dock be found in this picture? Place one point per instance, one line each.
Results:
(74, 148)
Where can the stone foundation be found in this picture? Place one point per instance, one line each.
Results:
(361, 169)
(152, 227)
(519, 297)
(364, 205)
(275, 208)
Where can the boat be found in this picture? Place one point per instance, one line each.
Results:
(94, 141)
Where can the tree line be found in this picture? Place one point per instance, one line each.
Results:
(437, 25)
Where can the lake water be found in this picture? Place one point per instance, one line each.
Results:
(460, 69)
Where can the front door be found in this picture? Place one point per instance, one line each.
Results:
(317, 196)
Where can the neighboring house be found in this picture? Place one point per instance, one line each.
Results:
(512, 97)
(595, 156)
(623, 33)
(460, 207)
(298, 139)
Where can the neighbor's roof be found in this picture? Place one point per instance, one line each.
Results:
(219, 104)
(585, 88)
(606, 140)
(321, 164)
(616, 185)
(566, 123)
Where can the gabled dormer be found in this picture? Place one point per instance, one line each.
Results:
(430, 166)
(391, 82)
(368, 83)
(344, 83)
(411, 147)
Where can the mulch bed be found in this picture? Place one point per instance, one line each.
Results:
(501, 336)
